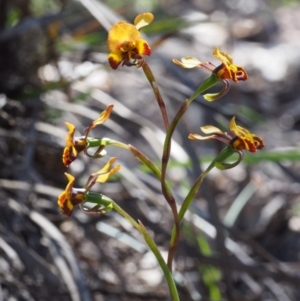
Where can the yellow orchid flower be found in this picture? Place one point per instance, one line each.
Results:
(71, 196)
(227, 70)
(76, 145)
(243, 139)
(125, 42)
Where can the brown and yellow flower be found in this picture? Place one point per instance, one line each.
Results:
(125, 42)
(243, 139)
(76, 145)
(71, 196)
(227, 70)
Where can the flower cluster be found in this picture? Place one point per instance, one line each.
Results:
(128, 48)
(71, 196)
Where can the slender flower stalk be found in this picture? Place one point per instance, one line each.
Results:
(166, 156)
(105, 204)
(156, 92)
(170, 199)
(167, 272)
(243, 140)
(168, 195)
(226, 153)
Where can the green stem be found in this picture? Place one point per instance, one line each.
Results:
(126, 215)
(147, 162)
(156, 92)
(170, 199)
(208, 83)
(151, 244)
(162, 263)
(167, 193)
(223, 155)
(94, 142)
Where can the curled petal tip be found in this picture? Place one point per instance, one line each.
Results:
(214, 96)
(143, 20)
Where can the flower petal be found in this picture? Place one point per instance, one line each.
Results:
(241, 73)
(103, 116)
(120, 33)
(142, 20)
(244, 139)
(115, 59)
(107, 166)
(143, 47)
(199, 137)
(65, 205)
(243, 143)
(70, 135)
(214, 96)
(259, 143)
(103, 174)
(69, 155)
(210, 129)
(64, 199)
(104, 177)
(188, 62)
(225, 58)
(238, 130)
